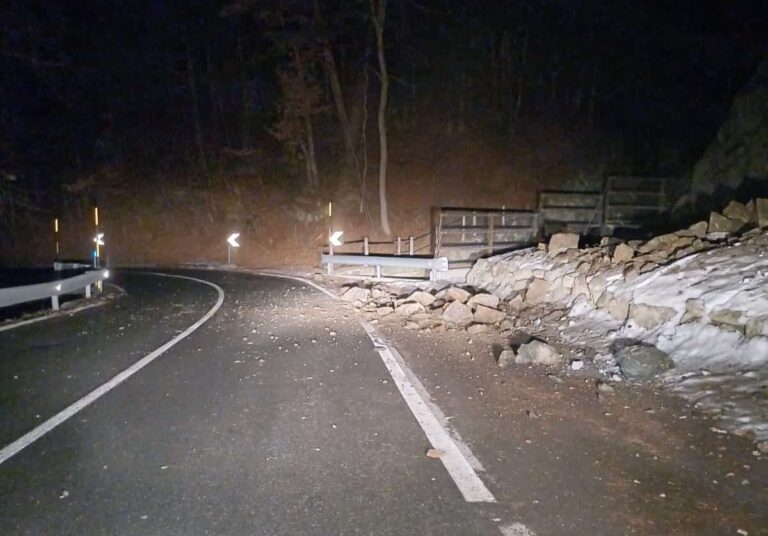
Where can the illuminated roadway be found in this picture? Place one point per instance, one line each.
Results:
(275, 416)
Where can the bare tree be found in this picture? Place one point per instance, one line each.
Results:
(329, 64)
(301, 96)
(378, 14)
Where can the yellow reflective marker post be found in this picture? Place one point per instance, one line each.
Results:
(56, 235)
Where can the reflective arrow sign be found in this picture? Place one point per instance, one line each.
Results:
(99, 239)
(335, 238)
(232, 240)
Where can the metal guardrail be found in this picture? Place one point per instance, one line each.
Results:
(433, 265)
(52, 289)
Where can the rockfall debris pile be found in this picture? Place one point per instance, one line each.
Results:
(689, 307)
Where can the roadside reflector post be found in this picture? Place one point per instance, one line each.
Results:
(232, 243)
(366, 251)
(98, 239)
(399, 245)
(55, 303)
(378, 271)
(56, 235)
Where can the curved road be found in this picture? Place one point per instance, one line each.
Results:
(276, 416)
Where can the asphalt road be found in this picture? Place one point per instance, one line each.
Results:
(277, 416)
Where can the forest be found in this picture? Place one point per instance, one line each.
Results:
(425, 102)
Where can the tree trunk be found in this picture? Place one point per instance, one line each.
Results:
(196, 110)
(329, 63)
(312, 174)
(378, 16)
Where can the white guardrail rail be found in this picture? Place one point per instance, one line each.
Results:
(433, 265)
(52, 289)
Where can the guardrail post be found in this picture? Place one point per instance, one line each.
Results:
(410, 246)
(399, 245)
(490, 234)
(378, 271)
(366, 251)
(55, 303)
(87, 291)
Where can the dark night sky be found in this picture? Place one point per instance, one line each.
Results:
(91, 83)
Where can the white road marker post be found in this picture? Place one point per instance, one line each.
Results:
(232, 243)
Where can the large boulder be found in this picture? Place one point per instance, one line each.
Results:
(539, 353)
(720, 224)
(560, 242)
(489, 300)
(761, 212)
(488, 315)
(738, 211)
(356, 294)
(649, 316)
(419, 296)
(537, 290)
(623, 253)
(642, 361)
(457, 314)
(453, 294)
(409, 309)
(757, 326)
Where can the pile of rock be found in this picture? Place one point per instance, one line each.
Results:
(452, 307)
(559, 274)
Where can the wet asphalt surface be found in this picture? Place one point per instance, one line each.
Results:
(275, 417)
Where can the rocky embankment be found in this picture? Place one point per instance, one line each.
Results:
(688, 307)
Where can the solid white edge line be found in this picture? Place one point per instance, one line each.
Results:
(297, 278)
(459, 467)
(30, 437)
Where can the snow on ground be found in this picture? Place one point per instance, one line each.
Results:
(730, 282)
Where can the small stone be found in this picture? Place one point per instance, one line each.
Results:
(435, 453)
(577, 364)
(605, 388)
